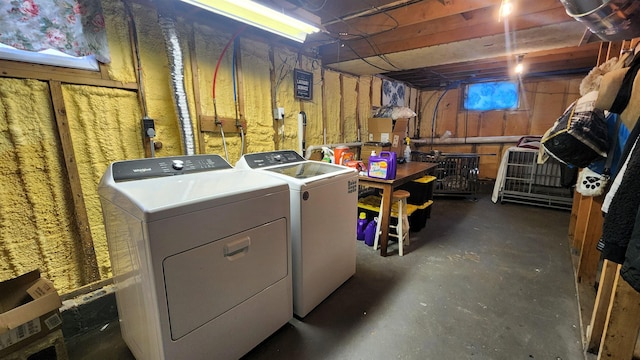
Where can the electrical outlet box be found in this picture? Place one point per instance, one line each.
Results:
(148, 127)
(278, 114)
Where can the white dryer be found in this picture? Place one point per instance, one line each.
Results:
(324, 202)
(200, 254)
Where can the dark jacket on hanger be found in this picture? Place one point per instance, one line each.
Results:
(620, 220)
(630, 270)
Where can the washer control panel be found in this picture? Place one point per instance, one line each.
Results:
(259, 160)
(166, 166)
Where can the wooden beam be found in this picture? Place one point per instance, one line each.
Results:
(341, 120)
(589, 255)
(581, 222)
(595, 330)
(373, 20)
(274, 103)
(574, 216)
(90, 272)
(240, 105)
(195, 81)
(622, 323)
(22, 70)
(207, 123)
(443, 31)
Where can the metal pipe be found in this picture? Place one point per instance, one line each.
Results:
(176, 66)
(311, 148)
(470, 140)
(224, 143)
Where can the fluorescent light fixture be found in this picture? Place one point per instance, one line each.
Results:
(260, 16)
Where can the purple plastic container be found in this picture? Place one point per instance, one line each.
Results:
(383, 166)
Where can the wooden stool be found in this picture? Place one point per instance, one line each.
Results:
(400, 198)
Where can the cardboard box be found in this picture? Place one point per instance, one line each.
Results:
(28, 311)
(367, 147)
(387, 130)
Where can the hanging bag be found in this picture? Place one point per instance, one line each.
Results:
(579, 136)
(591, 183)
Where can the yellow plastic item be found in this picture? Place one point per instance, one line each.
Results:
(425, 179)
(372, 203)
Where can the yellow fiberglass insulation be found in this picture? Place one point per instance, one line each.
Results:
(105, 127)
(37, 225)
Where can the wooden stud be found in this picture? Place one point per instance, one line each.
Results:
(90, 271)
(602, 54)
(195, 80)
(146, 141)
(324, 106)
(581, 222)
(274, 103)
(622, 323)
(614, 49)
(596, 327)
(240, 95)
(589, 255)
(574, 216)
(341, 125)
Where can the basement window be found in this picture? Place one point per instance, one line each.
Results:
(487, 96)
(49, 57)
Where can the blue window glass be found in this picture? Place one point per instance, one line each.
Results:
(486, 96)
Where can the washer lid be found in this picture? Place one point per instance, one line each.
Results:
(158, 198)
(307, 169)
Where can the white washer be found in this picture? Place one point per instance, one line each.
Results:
(324, 202)
(200, 254)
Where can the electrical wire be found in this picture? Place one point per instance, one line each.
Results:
(213, 89)
(306, 6)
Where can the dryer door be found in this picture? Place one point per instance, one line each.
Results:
(204, 282)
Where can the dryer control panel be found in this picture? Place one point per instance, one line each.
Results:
(166, 166)
(259, 160)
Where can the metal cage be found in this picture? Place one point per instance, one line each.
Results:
(456, 173)
(527, 182)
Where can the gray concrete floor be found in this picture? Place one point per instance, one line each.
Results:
(480, 281)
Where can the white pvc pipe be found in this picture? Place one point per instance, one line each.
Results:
(301, 133)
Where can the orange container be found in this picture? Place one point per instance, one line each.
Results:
(339, 154)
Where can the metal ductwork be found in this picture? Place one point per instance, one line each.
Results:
(612, 20)
(176, 63)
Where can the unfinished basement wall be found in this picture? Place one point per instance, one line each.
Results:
(540, 105)
(50, 215)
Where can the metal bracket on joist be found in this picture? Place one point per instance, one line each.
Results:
(208, 124)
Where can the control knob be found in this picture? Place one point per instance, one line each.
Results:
(177, 164)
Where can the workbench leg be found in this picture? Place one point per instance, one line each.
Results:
(386, 211)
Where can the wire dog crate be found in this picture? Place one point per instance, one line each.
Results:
(456, 173)
(527, 182)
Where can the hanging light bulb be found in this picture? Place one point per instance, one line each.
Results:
(519, 69)
(506, 9)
